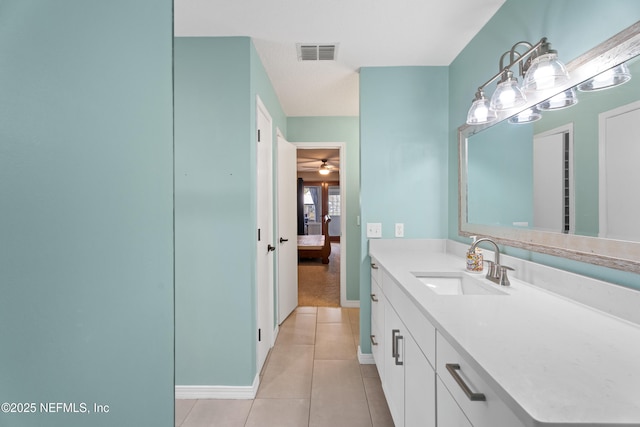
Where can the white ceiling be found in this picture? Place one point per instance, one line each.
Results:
(372, 33)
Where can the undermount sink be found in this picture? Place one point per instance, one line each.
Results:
(457, 284)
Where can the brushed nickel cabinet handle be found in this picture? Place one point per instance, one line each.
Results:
(373, 340)
(453, 369)
(394, 343)
(397, 356)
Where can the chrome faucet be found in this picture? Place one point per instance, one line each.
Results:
(496, 272)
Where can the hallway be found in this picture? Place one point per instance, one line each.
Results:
(311, 378)
(319, 284)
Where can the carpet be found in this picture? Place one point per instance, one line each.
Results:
(319, 284)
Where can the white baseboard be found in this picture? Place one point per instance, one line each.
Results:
(350, 303)
(217, 391)
(365, 358)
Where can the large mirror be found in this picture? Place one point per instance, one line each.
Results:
(555, 185)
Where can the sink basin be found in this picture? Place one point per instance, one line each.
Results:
(457, 284)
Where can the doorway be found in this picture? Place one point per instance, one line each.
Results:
(321, 212)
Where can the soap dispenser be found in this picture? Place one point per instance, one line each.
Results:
(474, 258)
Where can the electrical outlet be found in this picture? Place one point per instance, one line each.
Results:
(399, 229)
(374, 230)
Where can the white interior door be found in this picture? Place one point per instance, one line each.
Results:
(265, 244)
(553, 180)
(288, 230)
(547, 182)
(619, 173)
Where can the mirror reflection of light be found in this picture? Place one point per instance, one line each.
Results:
(562, 100)
(527, 116)
(612, 77)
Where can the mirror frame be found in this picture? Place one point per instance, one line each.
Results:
(617, 254)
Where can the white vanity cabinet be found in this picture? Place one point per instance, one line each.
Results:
(405, 354)
(405, 347)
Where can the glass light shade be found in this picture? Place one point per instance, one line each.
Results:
(562, 100)
(324, 170)
(507, 95)
(545, 72)
(527, 116)
(480, 112)
(612, 77)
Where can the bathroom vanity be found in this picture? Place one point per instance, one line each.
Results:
(454, 349)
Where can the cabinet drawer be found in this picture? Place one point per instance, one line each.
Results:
(377, 346)
(375, 271)
(488, 412)
(377, 304)
(449, 413)
(423, 332)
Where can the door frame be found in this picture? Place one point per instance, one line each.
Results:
(341, 147)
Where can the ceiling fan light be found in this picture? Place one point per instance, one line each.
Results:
(612, 77)
(324, 168)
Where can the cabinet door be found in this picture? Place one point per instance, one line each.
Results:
(394, 355)
(419, 387)
(449, 413)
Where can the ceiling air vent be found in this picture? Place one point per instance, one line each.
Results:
(317, 52)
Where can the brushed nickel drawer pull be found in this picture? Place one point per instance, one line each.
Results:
(374, 298)
(373, 341)
(453, 369)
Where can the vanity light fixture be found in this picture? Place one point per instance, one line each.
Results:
(480, 111)
(507, 94)
(541, 69)
(612, 77)
(324, 168)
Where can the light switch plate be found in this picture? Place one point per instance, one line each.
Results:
(374, 230)
(399, 229)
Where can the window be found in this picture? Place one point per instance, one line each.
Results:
(334, 200)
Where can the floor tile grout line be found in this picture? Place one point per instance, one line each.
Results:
(313, 369)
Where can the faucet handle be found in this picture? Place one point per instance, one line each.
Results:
(504, 279)
(491, 269)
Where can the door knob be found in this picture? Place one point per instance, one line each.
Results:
(282, 240)
(270, 248)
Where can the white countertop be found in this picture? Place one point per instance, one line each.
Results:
(552, 360)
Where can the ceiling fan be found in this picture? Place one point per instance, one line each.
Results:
(313, 164)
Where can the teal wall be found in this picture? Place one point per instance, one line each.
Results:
(493, 154)
(347, 130)
(573, 27)
(86, 183)
(216, 83)
(403, 159)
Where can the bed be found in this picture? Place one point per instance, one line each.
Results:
(316, 245)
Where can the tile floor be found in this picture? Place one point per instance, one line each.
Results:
(311, 378)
